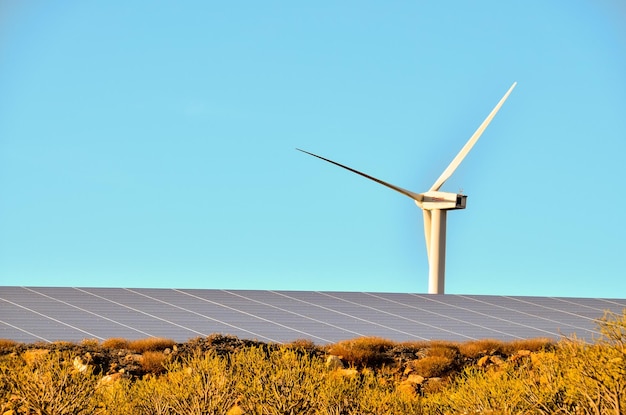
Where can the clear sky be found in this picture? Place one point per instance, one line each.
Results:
(152, 144)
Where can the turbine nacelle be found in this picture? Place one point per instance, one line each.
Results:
(442, 200)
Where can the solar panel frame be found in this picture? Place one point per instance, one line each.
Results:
(30, 314)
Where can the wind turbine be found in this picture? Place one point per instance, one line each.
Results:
(435, 204)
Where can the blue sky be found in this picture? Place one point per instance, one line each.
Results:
(152, 144)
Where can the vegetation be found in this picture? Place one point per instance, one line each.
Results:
(225, 375)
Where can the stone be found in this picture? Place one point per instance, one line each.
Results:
(482, 362)
(108, 379)
(497, 360)
(79, 365)
(236, 410)
(408, 388)
(333, 362)
(134, 357)
(416, 379)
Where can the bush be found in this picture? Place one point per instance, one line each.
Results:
(485, 392)
(278, 381)
(150, 344)
(94, 343)
(477, 348)
(153, 362)
(363, 351)
(305, 345)
(200, 384)
(533, 345)
(596, 373)
(49, 385)
(233, 377)
(6, 345)
(440, 358)
(116, 343)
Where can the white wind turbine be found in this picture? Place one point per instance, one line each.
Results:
(435, 205)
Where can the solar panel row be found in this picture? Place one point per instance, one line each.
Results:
(30, 314)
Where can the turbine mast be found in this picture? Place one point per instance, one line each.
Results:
(437, 251)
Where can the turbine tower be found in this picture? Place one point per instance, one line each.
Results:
(435, 204)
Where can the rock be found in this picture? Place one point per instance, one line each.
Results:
(134, 357)
(79, 365)
(496, 360)
(416, 379)
(334, 362)
(108, 379)
(520, 354)
(236, 410)
(408, 388)
(482, 362)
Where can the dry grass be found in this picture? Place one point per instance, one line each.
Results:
(90, 342)
(533, 345)
(440, 358)
(301, 344)
(116, 343)
(477, 348)
(151, 344)
(153, 362)
(443, 349)
(432, 366)
(6, 344)
(415, 346)
(363, 351)
(63, 344)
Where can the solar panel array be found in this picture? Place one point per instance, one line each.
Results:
(29, 314)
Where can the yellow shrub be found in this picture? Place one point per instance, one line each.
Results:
(51, 385)
(277, 382)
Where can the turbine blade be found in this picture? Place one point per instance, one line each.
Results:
(415, 196)
(427, 225)
(470, 143)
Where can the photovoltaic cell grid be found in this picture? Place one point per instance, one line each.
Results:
(29, 314)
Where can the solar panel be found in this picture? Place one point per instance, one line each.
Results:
(29, 314)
